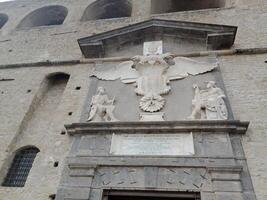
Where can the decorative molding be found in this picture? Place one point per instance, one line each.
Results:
(83, 167)
(213, 126)
(84, 172)
(63, 63)
(222, 169)
(216, 36)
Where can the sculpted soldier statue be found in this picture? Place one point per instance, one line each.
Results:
(209, 103)
(101, 107)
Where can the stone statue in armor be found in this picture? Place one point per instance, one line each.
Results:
(209, 103)
(102, 107)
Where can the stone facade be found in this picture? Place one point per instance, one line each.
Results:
(35, 113)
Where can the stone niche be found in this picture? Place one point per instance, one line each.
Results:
(214, 170)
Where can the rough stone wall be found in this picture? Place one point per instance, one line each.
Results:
(15, 103)
(244, 77)
(35, 44)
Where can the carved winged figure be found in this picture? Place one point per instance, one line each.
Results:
(209, 103)
(152, 75)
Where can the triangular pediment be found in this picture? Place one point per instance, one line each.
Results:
(212, 36)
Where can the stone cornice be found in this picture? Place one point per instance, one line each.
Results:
(64, 63)
(215, 126)
(216, 36)
(218, 164)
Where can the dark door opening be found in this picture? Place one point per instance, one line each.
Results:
(143, 195)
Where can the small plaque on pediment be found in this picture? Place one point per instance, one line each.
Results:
(153, 48)
(152, 144)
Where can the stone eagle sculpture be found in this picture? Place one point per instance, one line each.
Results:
(152, 74)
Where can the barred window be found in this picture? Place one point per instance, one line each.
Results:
(20, 167)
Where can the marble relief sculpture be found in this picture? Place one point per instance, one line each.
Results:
(209, 103)
(101, 107)
(152, 72)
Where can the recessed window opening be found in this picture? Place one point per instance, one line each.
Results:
(20, 167)
(3, 19)
(167, 6)
(106, 9)
(45, 16)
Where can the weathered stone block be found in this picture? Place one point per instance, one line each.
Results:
(229, 186)
(73, 193)
(228, 196)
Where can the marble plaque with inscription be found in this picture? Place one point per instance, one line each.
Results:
(152, 144)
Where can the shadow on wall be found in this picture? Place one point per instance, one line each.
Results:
(45, 16)
(167, 6)
(106, 9)
(47, 100)
(3, 19)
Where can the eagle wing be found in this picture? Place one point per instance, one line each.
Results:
(184, 67)
(123, 71)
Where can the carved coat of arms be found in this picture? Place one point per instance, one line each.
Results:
(152, 74)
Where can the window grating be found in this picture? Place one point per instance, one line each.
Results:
(20, 168)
